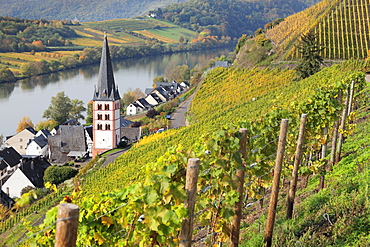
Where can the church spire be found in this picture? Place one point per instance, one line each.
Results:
(106, 89)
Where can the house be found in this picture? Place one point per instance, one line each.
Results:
(44, 132)
(20, 140)
(221, 64)
(9, 161)
(38, 146)
(67, 143)
(130, 134)
(5, 200)
(69, 122)
(153, 99)
(29, 172)
(138, 106)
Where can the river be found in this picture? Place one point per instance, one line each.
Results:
(31, 97)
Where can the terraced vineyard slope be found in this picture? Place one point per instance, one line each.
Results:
(341, 26)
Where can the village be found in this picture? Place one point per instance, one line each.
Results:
(27, 154)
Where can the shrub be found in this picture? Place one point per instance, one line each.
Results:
(58, 174)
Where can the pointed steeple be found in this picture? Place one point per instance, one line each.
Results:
(106, 89)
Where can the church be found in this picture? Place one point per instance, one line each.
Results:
(109, 128)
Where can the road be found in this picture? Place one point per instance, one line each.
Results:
(178, 118)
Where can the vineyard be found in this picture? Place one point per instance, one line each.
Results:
(342, 28)
(139, 199)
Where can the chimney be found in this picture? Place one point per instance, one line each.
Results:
(7, 191)
(32, 165)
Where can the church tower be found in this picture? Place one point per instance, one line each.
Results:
(106, 107)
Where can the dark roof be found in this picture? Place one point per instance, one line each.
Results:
(68, 138)
(89, 130)
(34, 170)
(106, 89)
(148, 90)
(156, 97)
(144, 103)
(125, 122)
(10, 156)
(40, 140)
(131, 134)
(3, 165)
(45, 132)
(32, 130)
(5, 199)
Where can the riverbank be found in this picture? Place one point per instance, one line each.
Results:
(90, 56)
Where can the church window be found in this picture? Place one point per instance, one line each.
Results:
(100, 117)
(106, 116)
(100, 106)
(107, 107)
(100, 126)
(107, 126)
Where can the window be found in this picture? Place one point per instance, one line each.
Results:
(100, 117)
(107, 126)
(20, 140)
(100, 126)
(100, 106)
(106, 116)
(107, 107)
(20, 147)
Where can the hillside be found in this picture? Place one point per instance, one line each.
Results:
(229, 18)
(147, 179)
(341, 28)
(83, 10)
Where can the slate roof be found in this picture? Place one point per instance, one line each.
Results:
(144, 103)
(5, 199)
(45, 132)
(125, 122)
(131, 134)
(68, 138)
(34, 170)
(40, 140)
(89, 130)
(106, 89)
(10, 156)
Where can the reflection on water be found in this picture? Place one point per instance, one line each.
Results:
(6, 89)
(30, 97)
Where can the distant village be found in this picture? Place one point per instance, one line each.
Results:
(29, 153)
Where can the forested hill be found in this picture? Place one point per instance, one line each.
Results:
(230, 17)
(83, 10)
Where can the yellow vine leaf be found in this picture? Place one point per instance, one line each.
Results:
(107, 221)
(98, 238)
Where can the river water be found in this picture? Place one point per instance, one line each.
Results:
(31, 97)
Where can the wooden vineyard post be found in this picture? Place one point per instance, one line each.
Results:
(275, 184)
(342, 127)
(324, 148)
(67, 223)
(235, 226)
(192, 173)
(297, 163)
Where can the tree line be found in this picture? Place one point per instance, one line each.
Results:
(20, 35)
(92, 55)
(229, 17)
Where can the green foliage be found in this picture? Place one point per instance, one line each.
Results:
(311, 59)
(58, 174)
(228, 18)
(62, 108)
(6, 75)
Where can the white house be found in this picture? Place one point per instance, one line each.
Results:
(30, 172)
(38, 146)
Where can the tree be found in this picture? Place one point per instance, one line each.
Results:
(131, 96)
(310, 52)
(159, 78)
(89, 118)
(48, 124)
(58, 174)
(6, 75)
(24, 123)
(63, 108)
